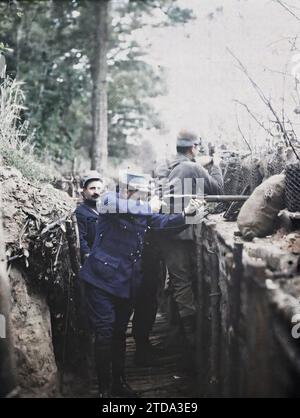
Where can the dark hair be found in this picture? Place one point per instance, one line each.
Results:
(183, 150)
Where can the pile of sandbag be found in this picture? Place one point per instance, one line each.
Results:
(259, 215)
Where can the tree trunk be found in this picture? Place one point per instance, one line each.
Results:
(99, 95)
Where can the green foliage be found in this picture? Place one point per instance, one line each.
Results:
(132, 84)
(50, 46)
(156, 9)
(16, 149)
(55, 72)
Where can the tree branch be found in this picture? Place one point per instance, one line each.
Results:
(266, 101)
(287, 9)
(254, 117)
(241, 132)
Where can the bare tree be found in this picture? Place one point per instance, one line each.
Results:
(242, 134)
(279, 123)
(287, 8)
(254, 117)
(99, 94)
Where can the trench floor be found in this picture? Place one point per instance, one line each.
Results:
(164, 379)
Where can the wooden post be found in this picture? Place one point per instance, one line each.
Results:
(235, 311)
(200, 313)
(215, 320)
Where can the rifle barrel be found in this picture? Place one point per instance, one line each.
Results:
(210, 198)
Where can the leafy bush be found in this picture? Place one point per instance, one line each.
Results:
(16, 148)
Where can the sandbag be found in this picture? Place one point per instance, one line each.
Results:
(258, 215)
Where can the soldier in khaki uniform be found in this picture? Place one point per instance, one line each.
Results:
(179, 250)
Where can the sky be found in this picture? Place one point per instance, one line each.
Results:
(204, 79)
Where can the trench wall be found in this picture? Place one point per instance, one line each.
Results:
(247, 343)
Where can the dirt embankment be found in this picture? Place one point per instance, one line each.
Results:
(39, 270)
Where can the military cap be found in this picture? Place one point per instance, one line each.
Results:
(135, 181)
(187, 139)
(91, 175)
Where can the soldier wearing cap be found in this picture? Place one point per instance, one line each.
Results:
(179, 251)
(112, 274)
(145, 303)
(86, 213)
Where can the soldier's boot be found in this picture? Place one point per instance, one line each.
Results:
(103, 368)
(146, 354)
(189, 328)
(120, 388)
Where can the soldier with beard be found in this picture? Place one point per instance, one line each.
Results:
(87, 218)
(86, 213)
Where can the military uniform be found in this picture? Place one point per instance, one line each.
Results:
(179, 251)
(87, 217)
(146, 303)
(185, 176)
(113, 276)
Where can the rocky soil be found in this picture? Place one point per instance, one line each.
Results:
(36, 252)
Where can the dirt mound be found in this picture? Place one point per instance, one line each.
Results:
(28, 208)
(40, 271)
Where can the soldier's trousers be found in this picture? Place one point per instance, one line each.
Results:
(109, 317)
(145, 310)
(180, 258)
(146, 301)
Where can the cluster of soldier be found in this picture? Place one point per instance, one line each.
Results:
(129, 238)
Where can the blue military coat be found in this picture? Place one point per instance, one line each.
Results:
(114, 263)
(87, 220)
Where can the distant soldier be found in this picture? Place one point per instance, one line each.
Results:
(179, 250)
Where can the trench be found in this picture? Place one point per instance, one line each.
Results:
(162, 380)
(248, 303)
(248, 294)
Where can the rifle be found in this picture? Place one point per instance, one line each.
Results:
(209, 198)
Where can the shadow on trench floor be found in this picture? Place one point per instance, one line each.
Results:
(162, 380)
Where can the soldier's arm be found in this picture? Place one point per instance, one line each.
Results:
(168, 222)
(82, 227)
(213, 181)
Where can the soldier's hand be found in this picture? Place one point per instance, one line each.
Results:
(194, 206)
(216, 159)
(155, 204)
(205, 160)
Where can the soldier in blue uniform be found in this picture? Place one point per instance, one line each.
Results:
(86, 212)
(146, 303)
(87, 217)
(112, 275)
